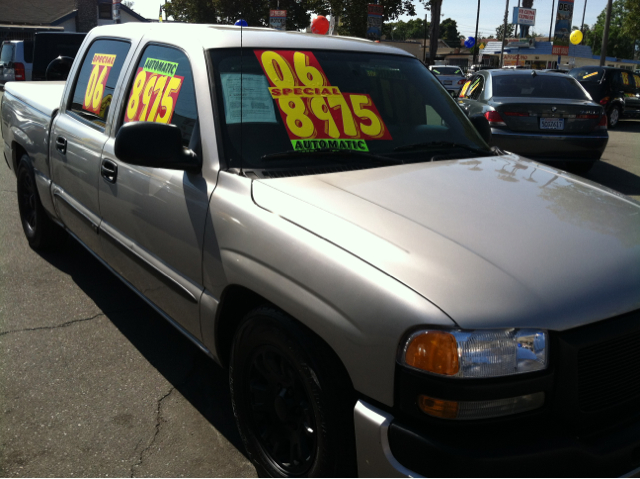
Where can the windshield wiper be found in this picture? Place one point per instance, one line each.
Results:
(443, 144)
(334, 155)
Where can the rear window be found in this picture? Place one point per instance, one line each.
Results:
(591, 75)
(447, 71)
(6, 56)
(538, 86)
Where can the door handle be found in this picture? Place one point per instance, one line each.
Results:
(109, 170)
(61, 145)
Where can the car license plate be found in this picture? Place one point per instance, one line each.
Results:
(447, 82)
(552, 123)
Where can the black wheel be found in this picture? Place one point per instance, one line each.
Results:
(292, 400)
(41, 232)
(580, 168)
(613, 118)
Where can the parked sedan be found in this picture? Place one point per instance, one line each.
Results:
(450, 76)
(545, 116)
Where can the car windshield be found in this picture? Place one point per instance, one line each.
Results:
(293, 108)
(526, 85)
(447, 71)
(587, 75)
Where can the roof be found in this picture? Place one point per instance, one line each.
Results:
(229, 36)
(36, 12)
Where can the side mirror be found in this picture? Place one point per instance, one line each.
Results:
(58, 69)
(482, 126)
(156, 145)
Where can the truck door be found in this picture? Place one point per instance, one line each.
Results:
(154, 219)
(78, 136)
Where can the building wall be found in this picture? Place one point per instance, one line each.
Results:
(69, 25)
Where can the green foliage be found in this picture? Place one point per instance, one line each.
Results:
(500, 31)
(255, 12)
(449, 32)
(411, 30)
(631, 24)
(619, 44)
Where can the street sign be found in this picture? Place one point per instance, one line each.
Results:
(278, 19)
(564, 16)
(524, 16)
(374, 21)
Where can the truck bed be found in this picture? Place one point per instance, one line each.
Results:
(43, 96)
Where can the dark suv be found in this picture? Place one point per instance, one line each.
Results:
(616, 89)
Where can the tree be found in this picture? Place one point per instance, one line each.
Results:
(411, 30)
(619, 44)
(449, 32)
(631, 24)
(500, 31)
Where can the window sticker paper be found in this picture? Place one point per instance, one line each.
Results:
(256, 106)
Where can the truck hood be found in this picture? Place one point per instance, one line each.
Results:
(493, 242)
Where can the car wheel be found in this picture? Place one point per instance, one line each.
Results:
(292, 399)
(580, 168)
(614, 116)
(40, 230)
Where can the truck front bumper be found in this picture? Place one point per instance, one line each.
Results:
(388, 448)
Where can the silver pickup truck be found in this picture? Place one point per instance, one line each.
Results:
(391, 296)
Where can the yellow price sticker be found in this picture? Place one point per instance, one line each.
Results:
(102, 64)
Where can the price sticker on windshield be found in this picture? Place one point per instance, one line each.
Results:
(102, 64)
(154, 93)
(316, 114)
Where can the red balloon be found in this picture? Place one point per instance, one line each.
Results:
(320, 25)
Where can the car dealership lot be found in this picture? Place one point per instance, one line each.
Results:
(93, 382)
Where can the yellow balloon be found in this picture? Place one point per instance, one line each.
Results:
(576, 37)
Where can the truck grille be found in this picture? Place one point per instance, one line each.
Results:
(609, 373)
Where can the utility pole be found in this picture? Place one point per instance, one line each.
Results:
(504, 33)
(553, 11)
(584, 11)
(516, 32)
(476, 47)
(605, 35)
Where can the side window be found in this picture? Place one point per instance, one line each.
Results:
(476, 87)
(93, 91)
(636, 82)
(162, 90)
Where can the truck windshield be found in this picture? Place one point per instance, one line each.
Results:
(293, 108)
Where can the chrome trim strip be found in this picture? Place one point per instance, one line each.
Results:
(155, 269)
(372, 444)
(499, 132)
(168, 318)
(92, 219)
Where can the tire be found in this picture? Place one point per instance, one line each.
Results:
(293, 401)
(613, 117)
(581, 168)
(41, 232)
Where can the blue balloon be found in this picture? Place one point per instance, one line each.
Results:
(471, 41)
(241, 23)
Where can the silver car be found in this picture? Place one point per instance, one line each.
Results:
(451, 77)
(391, 296)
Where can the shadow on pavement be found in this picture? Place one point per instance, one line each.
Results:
(198, 378)
(615, 178)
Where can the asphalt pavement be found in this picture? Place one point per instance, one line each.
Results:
(94, 383)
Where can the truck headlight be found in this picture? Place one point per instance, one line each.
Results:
(476, 354)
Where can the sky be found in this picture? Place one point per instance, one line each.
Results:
(464, 13)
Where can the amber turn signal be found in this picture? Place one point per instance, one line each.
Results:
(438, 407)
(433, 351)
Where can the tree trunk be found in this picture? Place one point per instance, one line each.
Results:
(436, 5)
